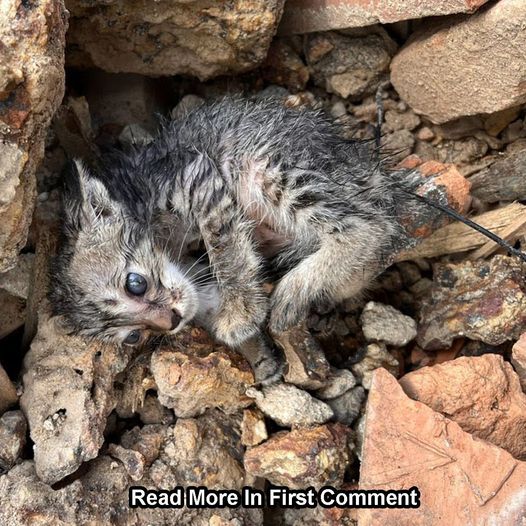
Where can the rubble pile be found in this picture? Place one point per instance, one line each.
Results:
(421, 382)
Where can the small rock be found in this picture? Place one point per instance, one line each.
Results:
(300, 458)
(481, 394)
(398, 144)
(376, 356)
(518, 359)
(338, 382)
(16, 280)
(385, 324)
(8, 395)
(461, 151)
(429, 72)
(338, 110)
(152, 412)
(348, 406)
(135, 134)
(132, 461)
(481, 300)
(307, 366)
(409, 272)
(186, 105)
(395, 121)
(195, 374)
(349, 65)
(283, 66)
(425, 134)
(13, 429)
(253, 428)
(289, 406)
(408, 442)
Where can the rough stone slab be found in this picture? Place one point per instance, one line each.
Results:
(31, 88)
(461, 479)
(481, 394)
(68, 394)
(300, 458)
(482, 300)
(466, 65)
(194, 374)
(305, 16)
(202, 38)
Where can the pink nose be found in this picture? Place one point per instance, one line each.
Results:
(161, 319)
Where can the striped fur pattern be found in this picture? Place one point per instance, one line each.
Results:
(254, 180)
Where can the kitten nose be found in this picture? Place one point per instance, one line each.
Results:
(176, 319)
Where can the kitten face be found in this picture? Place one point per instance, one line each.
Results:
(111, 280)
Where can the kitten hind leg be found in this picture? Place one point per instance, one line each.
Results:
(341, 268)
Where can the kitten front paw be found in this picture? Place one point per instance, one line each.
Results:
(239, 319)
(269, 370)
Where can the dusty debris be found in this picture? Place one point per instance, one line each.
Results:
(30, 94)
(189, 38)
(347, 406)
(407, 444)
(13, 430)
(482, 300)
(376, 355)
(306, 365)
(300, 458)
(383, 323)
(350, 65)
(302, 16)
(253, 428)
(481, 394)
(194, 374)
(518, 359)
(338, 383)
(68, 394)
(449, 48)
(289, 406)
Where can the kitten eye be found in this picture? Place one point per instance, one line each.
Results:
(132, 338)
(136, 284)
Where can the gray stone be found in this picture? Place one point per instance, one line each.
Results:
(386, 324)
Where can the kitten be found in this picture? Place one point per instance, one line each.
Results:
(256, 182)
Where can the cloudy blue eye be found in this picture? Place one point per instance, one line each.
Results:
(132, 338)
(136, 284)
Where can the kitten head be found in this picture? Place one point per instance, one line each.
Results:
(111, 279)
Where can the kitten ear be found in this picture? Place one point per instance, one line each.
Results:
(87, 203)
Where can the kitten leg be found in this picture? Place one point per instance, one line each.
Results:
(237, 269)
(341, 268)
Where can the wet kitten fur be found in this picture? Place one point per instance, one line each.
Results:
(248, 177)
